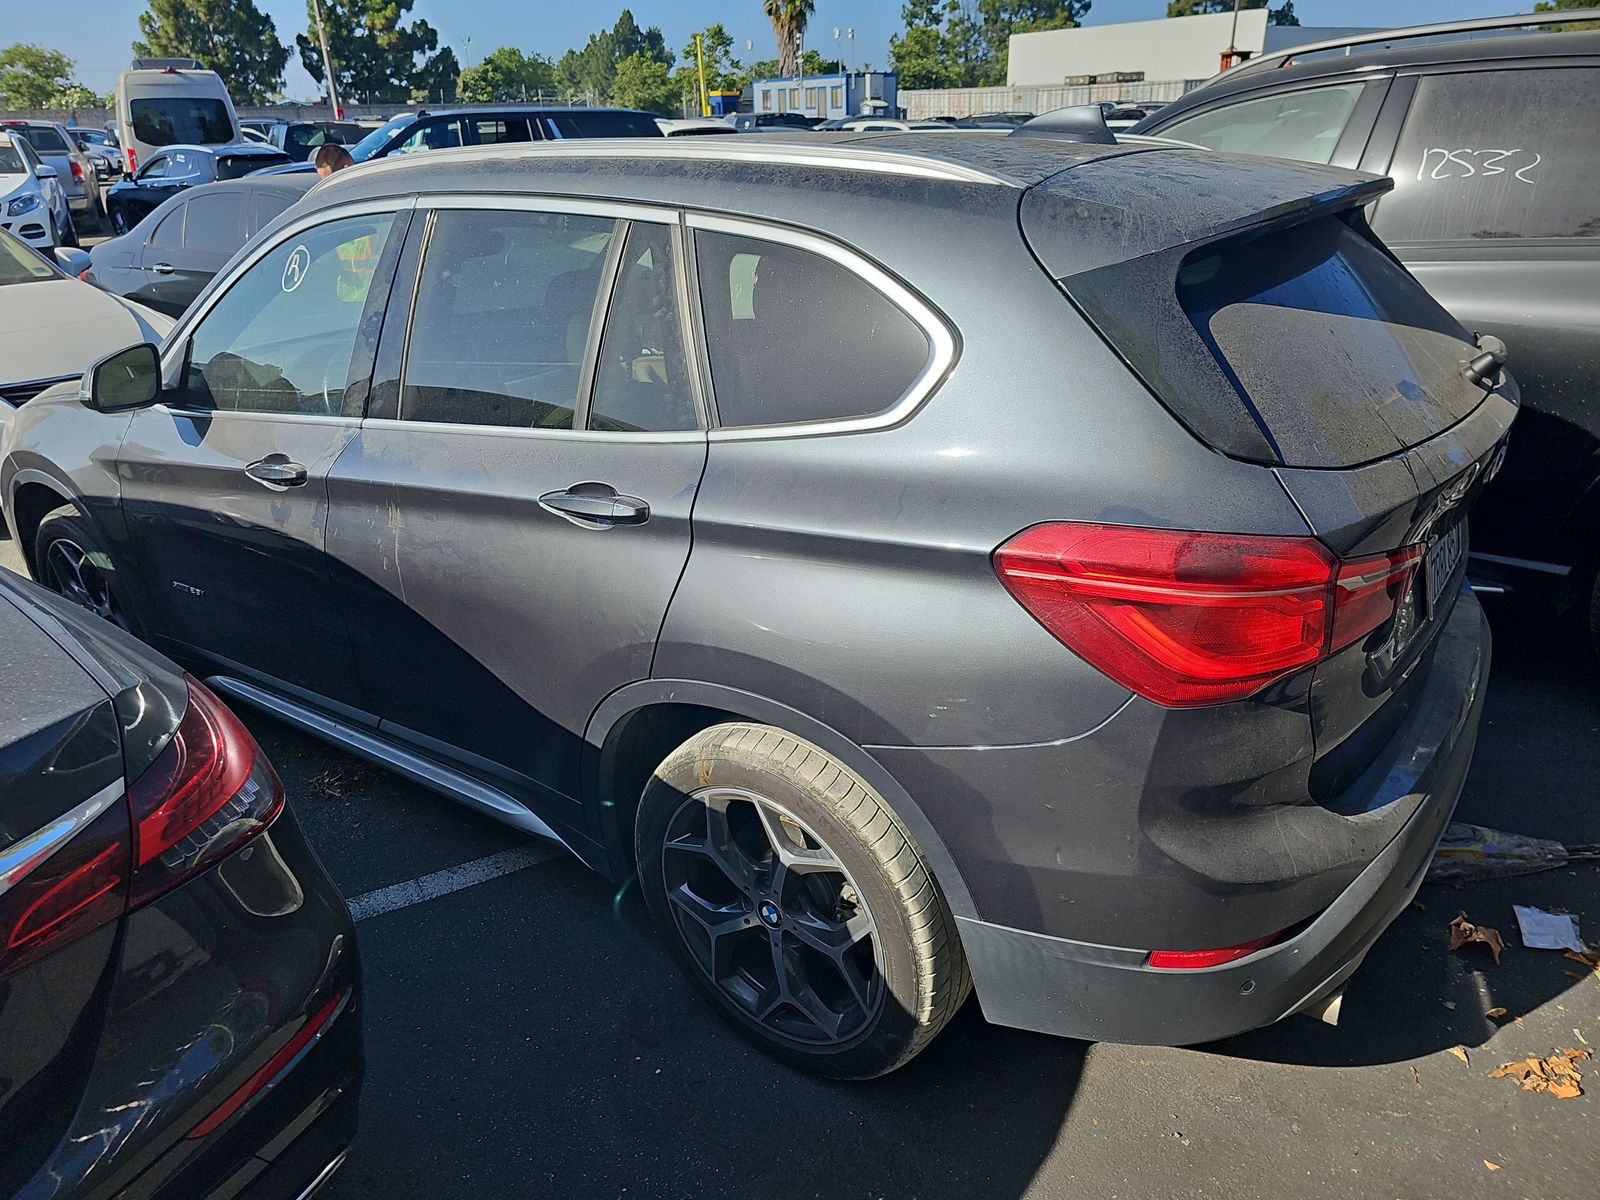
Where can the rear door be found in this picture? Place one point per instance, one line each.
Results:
(514, 513)
(213, 229)
(1496, 211)
(224, 485)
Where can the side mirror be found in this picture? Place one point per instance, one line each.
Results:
(44, 172)
(125, 380)
(73, 260)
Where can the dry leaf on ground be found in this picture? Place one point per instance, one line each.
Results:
(1493, 1166)
(1416, 1075)
(1495, 1013)
(1461, 1053)
(1557, 1074)
(1464, 933)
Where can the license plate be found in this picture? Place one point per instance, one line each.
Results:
(1439, 567)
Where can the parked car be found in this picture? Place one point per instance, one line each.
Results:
(892, 125)
(492, 125)
(995, 120)
(56, 149)
(177, 168)
(1026, 599)
(33, 205)
(172, 102)
(167, 259)
(300, 140)
(1494, 147)
(179, 983)
(97, 146)
(52, 325)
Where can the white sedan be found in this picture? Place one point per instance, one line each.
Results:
(53, 327)
(32, 203)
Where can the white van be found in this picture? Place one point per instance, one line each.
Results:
(169, 102)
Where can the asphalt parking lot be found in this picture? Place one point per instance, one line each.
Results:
(526, 1035)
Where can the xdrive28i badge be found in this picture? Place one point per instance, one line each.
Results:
(294, 271)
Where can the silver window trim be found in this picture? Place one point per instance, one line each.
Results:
(515, 431)
(171, 359)
(534, 202)
(941, 341)
(22, 857)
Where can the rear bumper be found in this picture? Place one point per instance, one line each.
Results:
(1057, 985)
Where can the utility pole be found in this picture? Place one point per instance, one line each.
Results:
(1232, 55)
(700, 60)
(800, 65)
(327, 63)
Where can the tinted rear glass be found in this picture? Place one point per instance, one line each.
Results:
(602, 124)
(232, 166)
(1310, 342)
(172, 120)
(45, 140)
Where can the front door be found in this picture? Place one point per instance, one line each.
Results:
(225, 486)
(212, 228)
(516, 522)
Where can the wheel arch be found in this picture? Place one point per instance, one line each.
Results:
(636, 727)
(34, 495)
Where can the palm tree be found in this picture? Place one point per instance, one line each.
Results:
(788, 19)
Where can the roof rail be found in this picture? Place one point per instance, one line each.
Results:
(166, 64)
(1282, 58)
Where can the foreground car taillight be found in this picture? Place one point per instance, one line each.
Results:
(206, 794)
(1186, 618)
(209, 790)
(77, 169)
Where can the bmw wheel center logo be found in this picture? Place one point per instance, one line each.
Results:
(769, 913)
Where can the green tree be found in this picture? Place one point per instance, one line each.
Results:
(1197, 8)
(592, 70)
(1283, 15)
(1551, 6)
(505, 75)
(377, 57)
(231, 37)
(437, 78)
(788, 19)
(645, 82)
(77, 96)
(723, 71)
(815, 64)
(32, 77)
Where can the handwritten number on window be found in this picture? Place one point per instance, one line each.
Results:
(1466, 163)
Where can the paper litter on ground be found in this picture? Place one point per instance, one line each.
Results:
(1547, 930)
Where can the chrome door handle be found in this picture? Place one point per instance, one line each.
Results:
(163, 268)
(595, 506)
(276, 471)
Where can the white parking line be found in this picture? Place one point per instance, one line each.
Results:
(451, 879)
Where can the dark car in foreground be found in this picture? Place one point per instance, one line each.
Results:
(173, 169)
(179, 1004)
(1068, 606)
(493, 125)
(1493, 140)
(167, 259)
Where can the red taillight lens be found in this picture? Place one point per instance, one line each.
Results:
(1193, 960)
(77, 169)
(209, 790)
(78, 889)
(133, 160)
(1186, 618)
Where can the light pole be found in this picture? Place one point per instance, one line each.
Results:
(327, 64)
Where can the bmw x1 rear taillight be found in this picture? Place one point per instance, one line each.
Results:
(207, 792)
(1186, 618)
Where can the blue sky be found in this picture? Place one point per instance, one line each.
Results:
(97, 33)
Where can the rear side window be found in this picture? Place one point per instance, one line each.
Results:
(1304, 124)
(795, 337)
(492, 131)
(170, 232)
(45, 140)
(502, 316)
(216, 222)
(1307, 346)
(235, 166)
(642, 380)
(173, 120)
(269, 205)
(601, 124)
(1497, 154)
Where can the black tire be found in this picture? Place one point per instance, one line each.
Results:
(119, 220)
(71, 237)
(70, 558)
(915, 968)
(55, 234)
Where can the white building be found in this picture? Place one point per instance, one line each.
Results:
(1173, 48)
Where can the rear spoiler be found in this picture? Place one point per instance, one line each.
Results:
(1151, 199)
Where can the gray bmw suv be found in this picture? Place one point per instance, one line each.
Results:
(922, 563)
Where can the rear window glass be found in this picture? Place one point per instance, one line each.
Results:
(601, 124)
(173, 120)
(45, 140)
(1308, 346)
(232, 166)
(1304, 124)
(1498, 154)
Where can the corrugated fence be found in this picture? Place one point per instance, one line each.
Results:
(962, 102)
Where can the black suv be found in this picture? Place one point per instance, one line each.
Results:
(1494, 147)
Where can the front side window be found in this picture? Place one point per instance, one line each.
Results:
(169, 121)
(432, 135)
(282, 337)
(502, 316)
(1304, 124)
(642, 381)
(1497, 154)
(794, 337)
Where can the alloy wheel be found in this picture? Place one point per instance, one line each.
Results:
(73, 573)
(770, 914)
